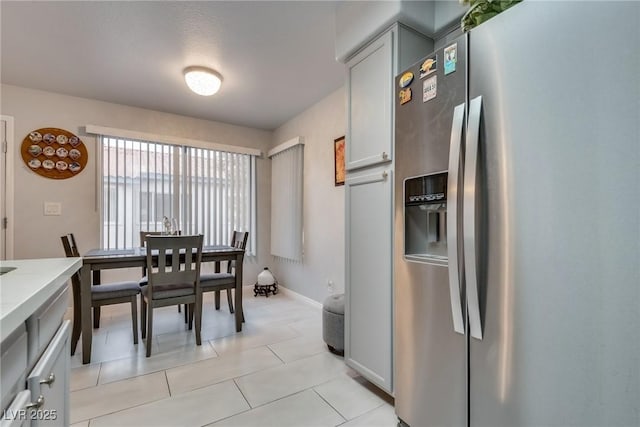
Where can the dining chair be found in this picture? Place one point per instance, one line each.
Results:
(224, 281)
(172, 280)
(143, 281)
(103, 294)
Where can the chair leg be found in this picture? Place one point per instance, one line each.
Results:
(217, 300)
(77, 327)
(191, 313)
(143, 317)
(134, 318)
(230, 301)
(149, 328)
(96, 317)
(198, 308)
(186, 313)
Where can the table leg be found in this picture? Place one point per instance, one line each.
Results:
(85, 312)
(96, 310)
(217, 293)
(238, 308)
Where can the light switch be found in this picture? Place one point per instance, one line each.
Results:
(52, 208)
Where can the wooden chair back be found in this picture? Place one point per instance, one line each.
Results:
(71, 250)
(238, 241)
(69, 244)
(144, 234)
(179, 259)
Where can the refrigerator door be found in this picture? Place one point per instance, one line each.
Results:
(559, 216)
(430, 356)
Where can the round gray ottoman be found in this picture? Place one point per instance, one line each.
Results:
(333, 323)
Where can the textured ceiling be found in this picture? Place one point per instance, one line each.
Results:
(277, 58)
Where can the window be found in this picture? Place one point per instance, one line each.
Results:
(206, 191)
(287, 169)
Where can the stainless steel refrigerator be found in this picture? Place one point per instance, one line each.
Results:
(517, 222)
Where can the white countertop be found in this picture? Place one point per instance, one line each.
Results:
(29, 286)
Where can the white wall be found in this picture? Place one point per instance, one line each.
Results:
(323, 209)
(38, 236)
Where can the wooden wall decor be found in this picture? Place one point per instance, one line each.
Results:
(54, 153)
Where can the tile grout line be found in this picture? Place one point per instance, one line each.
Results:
(99, 373)
(230, 378)
(243, 396)
(122, 409)
(362, 415)
(275, 354)
(330, 405)
(167, 380)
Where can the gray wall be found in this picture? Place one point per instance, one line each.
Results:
(38, 236)
(323, 209)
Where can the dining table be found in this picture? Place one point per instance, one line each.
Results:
(96, 260)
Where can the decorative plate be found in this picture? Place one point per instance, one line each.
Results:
(45, 152)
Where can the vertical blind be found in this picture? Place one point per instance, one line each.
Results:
(219, 181)
(286, 203)
(205, 191)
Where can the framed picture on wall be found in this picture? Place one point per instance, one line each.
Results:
(338, 158)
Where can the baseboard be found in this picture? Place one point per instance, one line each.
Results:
(299, 297)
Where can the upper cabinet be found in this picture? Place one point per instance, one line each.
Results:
(370, 86)
(370, 91)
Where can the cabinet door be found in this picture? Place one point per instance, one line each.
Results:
(49, 382)
(16, 414)
(370, 88)
(368, 310)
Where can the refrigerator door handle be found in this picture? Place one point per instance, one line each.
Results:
(469, 217)
(452, 213)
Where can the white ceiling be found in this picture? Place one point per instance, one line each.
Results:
(277, 58)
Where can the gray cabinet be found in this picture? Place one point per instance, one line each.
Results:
(369, 127)
(48, 382)
(369, 160)
(368, 297)
(36, 367)
(12, 416)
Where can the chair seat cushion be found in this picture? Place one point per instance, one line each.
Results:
(169, 291)
(114, 290)
(214, 280)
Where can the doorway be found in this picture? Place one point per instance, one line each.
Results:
(6, 187)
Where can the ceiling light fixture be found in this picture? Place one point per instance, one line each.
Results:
(203, 81)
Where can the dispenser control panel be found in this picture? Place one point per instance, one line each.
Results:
(425, 219)
(426, 188)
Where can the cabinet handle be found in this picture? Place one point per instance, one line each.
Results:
(385, 156)
(384, 175)
(49, 380)
(35, 405)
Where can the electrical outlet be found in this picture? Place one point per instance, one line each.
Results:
(330, 286)
(52, 208)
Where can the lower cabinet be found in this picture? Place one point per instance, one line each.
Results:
(48, 382)
(36, 368)
(369, 294)
(16, 414)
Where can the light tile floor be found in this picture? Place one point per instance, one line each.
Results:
(276, 372)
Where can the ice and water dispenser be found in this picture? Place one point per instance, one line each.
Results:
(425, 218)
